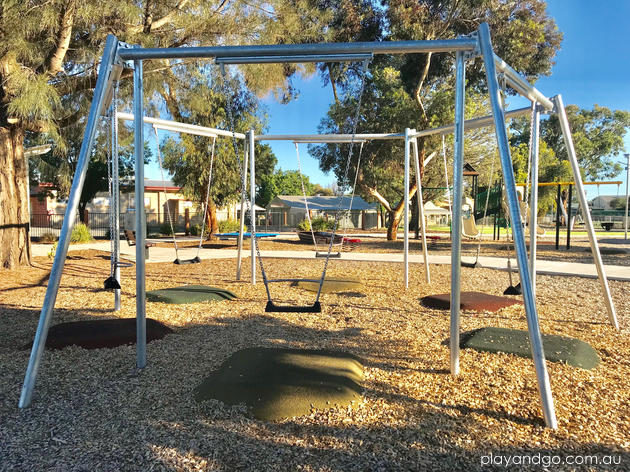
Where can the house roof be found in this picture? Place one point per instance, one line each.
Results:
(160, 184)
(320, 203)
(431, 207)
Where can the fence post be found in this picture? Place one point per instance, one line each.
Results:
(86, 217)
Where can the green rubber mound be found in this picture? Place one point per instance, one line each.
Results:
(283, 383)
(513, 341)
(189, 294)
(332, 285)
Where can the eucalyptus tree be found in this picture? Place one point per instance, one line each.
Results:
(419, 86)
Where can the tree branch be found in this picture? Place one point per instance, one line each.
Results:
(157, 24)
(55, 60)
(372, 191)
(423, 77)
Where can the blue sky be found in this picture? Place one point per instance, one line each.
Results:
(593, 67)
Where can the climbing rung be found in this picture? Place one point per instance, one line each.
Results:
(273, 308)
(179, 261)
(293, 280)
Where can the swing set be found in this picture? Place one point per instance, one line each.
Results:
(118, 56)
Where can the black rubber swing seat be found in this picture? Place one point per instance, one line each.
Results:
(273, 308)
(194, 260)
(336, 255)
(471, 265)
(111, 284)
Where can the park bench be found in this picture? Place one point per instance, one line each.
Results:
(130, 236)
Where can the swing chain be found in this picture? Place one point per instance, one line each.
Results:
(344, 180)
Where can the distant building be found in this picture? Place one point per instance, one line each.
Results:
(290, 210)
(603, 202)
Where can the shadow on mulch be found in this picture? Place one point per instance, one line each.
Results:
(98, 334)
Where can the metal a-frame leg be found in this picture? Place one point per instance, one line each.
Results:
(456, 218)
(588, 222)
(108, 73)
(535, 338)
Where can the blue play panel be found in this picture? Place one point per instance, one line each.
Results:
(246, 235)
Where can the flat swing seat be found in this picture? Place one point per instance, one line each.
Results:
(189, 294)
(273, 308)
(194, 260)
(335, 255)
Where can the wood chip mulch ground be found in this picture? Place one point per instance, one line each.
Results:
(93, 411)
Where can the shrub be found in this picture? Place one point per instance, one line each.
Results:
(229, 226)
(319, 224)
(80, 234)
(48, 238)
(165, 228)
(53, 250)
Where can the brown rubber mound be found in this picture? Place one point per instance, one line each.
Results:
(473, 301)
(97, 334)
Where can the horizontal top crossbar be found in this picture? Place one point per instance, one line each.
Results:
(294, 58)
(522, 86)
(328, 138)
(382, 47)
(553, 184)
(474, 123)
(181, 127)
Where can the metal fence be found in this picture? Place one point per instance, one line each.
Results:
(43, 224)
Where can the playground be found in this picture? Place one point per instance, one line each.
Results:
(411, 411)
(321, 349)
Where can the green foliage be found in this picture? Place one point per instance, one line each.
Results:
(598, 137)
(165, 228)
(53, 250)
(48, 238)
(188, 158)
(80, 234)
(319, 224)
(618, 203)
(283, 183)
(229, 226)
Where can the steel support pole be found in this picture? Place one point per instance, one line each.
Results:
(252, 203)
(517, 229)
(625, 216)
(241, 228)
(101, 90)
(423, 228)
(558, 211)
(458, 193)
(141, 229)
(115, 202)
(533, 200)
(588, 222)
(569, 198)
(406, 210)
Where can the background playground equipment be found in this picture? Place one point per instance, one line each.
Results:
(118, 55)
(560, 210)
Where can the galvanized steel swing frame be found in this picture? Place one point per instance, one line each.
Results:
(118, 55)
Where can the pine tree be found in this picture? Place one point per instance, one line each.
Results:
(49, 50)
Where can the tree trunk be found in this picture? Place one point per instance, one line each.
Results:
(211, 219)
(397, 213)
(15, 246)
